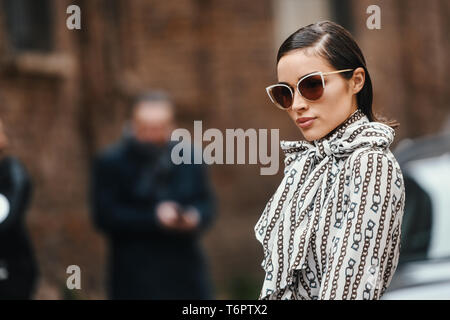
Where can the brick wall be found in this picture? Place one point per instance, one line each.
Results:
(215, 58)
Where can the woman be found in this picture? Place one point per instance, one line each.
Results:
(332, 229)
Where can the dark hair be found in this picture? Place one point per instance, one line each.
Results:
(336, 45)
(153, 96)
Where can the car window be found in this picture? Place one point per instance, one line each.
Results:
(433, 176)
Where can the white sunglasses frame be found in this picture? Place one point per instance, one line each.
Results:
(322, 74)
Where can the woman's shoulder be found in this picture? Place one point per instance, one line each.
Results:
(371, 157)
(377, 168)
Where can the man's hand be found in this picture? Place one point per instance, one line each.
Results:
(171, 216)
(189, 219)
(168, 214)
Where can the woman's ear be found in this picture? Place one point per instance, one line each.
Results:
(358, 79)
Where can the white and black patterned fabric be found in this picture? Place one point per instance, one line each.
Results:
(332, 229)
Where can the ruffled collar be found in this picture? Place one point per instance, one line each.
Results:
(354, 133)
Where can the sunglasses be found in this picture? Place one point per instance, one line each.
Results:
(310, 87)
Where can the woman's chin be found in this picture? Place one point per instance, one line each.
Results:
(310, 135)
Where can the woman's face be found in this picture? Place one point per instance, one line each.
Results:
(336, 104)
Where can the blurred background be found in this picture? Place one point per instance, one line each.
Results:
(65, 94)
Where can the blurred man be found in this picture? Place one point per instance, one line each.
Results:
(18, 268)
(152, 211)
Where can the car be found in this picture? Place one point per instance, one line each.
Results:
(423, 271)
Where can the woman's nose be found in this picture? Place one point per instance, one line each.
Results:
(299, 102)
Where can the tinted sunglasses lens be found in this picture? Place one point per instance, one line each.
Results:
(311, 88)
(281, 95)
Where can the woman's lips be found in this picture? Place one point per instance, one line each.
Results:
(305, 122)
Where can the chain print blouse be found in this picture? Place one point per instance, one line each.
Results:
(332, 229)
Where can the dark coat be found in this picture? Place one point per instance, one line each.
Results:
(145, 260)
(17, 261)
